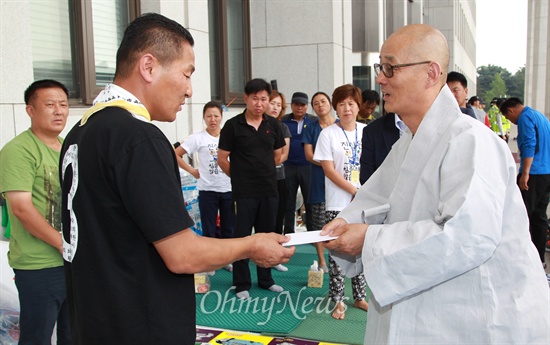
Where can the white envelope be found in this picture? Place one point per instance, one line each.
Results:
(306, 237)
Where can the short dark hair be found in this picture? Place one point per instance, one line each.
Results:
(511, 102)
(256, 85)
(317, 94)
(345, 91)
(473, 99)
(455, 76)
(212, 104)
(30, 92)
(371, 96)
(153, 33)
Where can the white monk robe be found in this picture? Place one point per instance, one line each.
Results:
(452, 262)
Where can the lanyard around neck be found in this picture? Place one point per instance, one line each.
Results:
(354, 149)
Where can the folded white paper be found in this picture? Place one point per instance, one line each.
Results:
(307, 237)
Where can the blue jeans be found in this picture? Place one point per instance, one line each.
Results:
(43, 302)
(209, 204)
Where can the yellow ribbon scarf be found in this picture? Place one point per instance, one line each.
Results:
(132, 108)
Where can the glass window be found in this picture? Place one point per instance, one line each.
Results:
(229, 31)
(236, 45)
(75, 42)
(109, 21)
(215, 46)
(51, 43)
(362, 77)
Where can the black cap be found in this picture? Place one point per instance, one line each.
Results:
(299, 98)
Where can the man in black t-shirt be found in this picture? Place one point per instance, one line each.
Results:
(129, 253)
(253, 142)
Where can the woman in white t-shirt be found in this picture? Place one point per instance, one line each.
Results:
(338, 150)
(214, 186)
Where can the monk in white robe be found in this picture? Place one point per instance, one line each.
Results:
(441, 225)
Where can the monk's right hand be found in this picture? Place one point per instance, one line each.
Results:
(334, 227)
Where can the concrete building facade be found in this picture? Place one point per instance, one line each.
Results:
(537, 67)
(304, 45)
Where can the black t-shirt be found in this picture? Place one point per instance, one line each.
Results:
(251, 157)
(126, 194)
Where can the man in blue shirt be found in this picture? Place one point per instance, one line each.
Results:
(297, 168)
(534, 170)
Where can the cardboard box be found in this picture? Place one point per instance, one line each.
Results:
(202, 283)
(315, 279)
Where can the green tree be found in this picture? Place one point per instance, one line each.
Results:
(498, 88)
(516, 84)
(485, 76)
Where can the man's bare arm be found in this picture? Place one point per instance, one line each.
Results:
(223, 161)
(23, 208)
(277, 155)
(186, 252)
(308, 150)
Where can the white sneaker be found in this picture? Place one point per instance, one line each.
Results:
(229, 267)
(211, 273)
(280, 268)
(243, 295)
(276, 288)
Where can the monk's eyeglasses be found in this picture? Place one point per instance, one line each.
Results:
(387, 68)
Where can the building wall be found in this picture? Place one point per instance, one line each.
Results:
(537, 76)
(17, 69)
(374, 21)
(305, 48)
(542, 43)
(457, 21)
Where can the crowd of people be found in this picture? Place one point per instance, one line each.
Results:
(424, 201)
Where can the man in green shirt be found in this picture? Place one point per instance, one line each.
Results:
(29, 176)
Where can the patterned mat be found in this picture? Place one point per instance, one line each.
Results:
(265, 312)
(322, 327)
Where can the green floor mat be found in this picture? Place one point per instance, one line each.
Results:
(266, 311)
(319, 324)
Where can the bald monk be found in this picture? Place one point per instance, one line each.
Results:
(440, 226)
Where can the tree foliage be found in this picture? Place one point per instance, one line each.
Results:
(495, 81)
(498, 88)
(516, 86)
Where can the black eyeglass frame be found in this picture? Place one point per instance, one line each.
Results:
(379, 67)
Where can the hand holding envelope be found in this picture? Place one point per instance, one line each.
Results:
(351, 236)
(307, 237)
